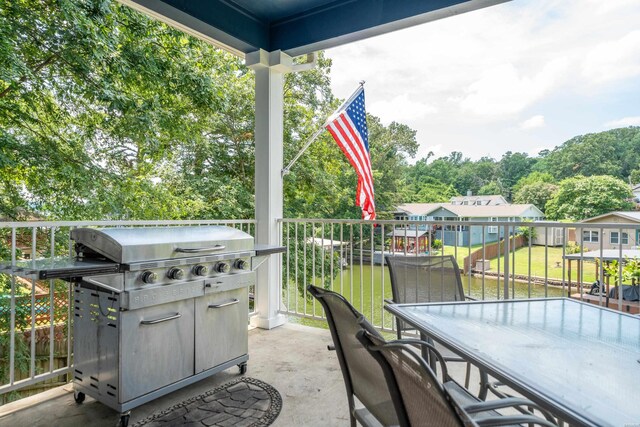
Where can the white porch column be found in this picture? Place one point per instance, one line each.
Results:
(269, 68)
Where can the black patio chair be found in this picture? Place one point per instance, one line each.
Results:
(423, 278)
(422, 400)
(363, 376)
(427, 278)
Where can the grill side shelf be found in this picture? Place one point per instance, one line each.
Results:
(78, 272)
(60, 268)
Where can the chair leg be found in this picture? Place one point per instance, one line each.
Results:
(484, 385)
(467, 377)
(353, 419)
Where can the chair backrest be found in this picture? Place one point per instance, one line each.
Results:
(425, 278)
(418, 396)
(362, 375)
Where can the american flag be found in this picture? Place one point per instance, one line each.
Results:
(349, 129)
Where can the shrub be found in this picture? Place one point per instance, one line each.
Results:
(573, 248)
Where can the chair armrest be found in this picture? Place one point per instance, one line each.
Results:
(389, 301)
(431, 348)
(510, 420)
(507, 402)
(468, 298)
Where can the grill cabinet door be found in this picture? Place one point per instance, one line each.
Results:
(156, 347)
(221, 327)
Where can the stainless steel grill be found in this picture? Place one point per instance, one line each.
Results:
(155, 309)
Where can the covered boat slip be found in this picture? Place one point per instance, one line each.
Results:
(608, 296)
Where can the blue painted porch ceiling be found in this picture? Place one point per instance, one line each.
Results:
(298, 27)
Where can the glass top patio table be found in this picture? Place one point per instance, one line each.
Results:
(577, 360)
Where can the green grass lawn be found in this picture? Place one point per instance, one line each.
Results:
(551, 266)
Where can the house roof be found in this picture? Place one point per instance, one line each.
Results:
(297, 27)
(402, 232)
(486, 211)
(494, 199)
(633, 216)
(605, 255)
(418, 208)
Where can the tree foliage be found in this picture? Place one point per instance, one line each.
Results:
(582, 197)
(536, 193)
(107, 114)
(615, 152)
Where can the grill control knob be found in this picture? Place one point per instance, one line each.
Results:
(175, 273)
(200, 270)
(149, 277)
(241, 264)
(222, 267)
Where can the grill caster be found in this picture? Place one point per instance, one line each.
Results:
(78, 396)
(124, 419)
(243, 368)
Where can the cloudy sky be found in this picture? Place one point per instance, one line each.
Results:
(522, 76)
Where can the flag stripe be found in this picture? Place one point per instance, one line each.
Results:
(357, 142)
(352, 151)
(356, 148)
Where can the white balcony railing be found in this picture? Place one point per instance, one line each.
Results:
(342, 255)
(498, 260)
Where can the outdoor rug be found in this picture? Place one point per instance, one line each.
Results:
(245, 402)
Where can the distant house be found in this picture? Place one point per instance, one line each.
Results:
(414, 211)
(627, 237)
(464, 235)
(492, 208)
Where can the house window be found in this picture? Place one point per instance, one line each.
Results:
(614, 238)
(590, 236)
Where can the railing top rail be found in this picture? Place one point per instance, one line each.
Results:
(19, 224)
(547, 224)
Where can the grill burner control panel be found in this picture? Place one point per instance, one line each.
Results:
(166, 275)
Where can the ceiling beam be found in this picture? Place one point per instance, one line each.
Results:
(350, 21)
(225, 24)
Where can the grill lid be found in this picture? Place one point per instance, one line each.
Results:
(130, 245)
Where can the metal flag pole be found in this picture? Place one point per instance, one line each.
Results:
(317, 133)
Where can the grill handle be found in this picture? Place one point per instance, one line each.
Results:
(225, 304)
(164, 319)
(198, 250)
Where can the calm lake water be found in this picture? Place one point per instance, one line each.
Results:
(366, 288)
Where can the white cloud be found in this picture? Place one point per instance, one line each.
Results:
(504, 91)
(614, 60)
(400, 109)
(624, 122)
(532, 123)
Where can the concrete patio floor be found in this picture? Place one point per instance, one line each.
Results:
(292, 358)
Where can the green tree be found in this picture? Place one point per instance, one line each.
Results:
(536, 193)
(582, 197)
(492, 188)
(615, 152)
(430, 190)
(512, 167)
(532, 178)
(474, 175)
